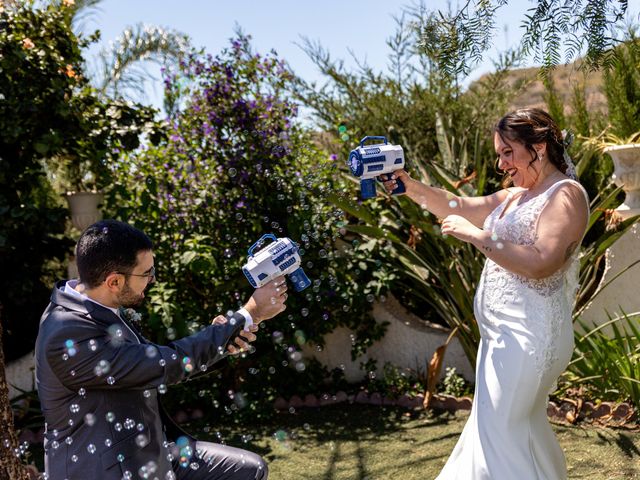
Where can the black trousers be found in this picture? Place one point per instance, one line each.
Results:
(212, 461)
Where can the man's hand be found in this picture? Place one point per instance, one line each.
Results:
(241, 344)
(268, 300)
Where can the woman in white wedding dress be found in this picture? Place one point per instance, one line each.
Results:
(530, 234)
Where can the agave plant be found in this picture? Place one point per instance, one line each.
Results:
(607, 139)
(442, 273)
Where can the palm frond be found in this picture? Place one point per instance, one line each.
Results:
(122, 64)
(84, 12)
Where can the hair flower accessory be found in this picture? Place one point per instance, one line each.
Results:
(567, 138)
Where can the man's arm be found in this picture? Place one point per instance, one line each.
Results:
(83, 355)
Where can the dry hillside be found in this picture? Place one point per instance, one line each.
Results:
(566, 78)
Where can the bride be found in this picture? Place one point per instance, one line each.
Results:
(530, 233)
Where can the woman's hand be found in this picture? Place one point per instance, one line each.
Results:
(390, 182)
(459, 227)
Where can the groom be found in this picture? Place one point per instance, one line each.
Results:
(98, 378)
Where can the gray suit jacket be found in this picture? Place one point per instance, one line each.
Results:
(98, 382)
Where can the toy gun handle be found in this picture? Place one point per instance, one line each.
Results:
(260, 241)
(299, 279)
(384, 139)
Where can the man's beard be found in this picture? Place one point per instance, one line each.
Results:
(129, 299)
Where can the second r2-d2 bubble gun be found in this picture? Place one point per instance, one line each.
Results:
(278, 258)
(371, 161)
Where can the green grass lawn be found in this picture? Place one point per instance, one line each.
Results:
(364, 442)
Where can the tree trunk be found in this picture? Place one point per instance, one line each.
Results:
(10, 465)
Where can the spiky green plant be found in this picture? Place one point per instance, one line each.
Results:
(608, 363)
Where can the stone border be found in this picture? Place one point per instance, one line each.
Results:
(566, 411)
(443, 402)
(608, 414)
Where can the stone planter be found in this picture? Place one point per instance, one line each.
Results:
(621, 293)
(84, 208)
(84, 212)
(626, 161)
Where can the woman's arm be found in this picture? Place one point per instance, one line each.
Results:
(442, 203)
(560, 228)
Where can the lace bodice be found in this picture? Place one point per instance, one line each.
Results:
(519, 226)
(544, 303)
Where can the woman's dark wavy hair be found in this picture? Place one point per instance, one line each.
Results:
(108, 246)
(529, 126)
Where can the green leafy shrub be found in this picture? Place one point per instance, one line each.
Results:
(393, 382)
(622, 86)
(454, 384)
(236, 165)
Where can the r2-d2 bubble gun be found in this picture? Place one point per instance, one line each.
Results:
(371, 161)
(278, 258)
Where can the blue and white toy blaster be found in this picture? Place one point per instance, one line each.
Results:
(371, 161)
(278, 258)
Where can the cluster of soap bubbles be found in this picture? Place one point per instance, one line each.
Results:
(187, 365)
(342, 130)
(495, 238)
(70, 347)
(102, 368)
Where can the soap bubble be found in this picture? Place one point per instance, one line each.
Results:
(90, 419)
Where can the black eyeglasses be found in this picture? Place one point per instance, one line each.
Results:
(150, 274)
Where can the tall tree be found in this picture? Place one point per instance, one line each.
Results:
(10, 465)
(576, 26)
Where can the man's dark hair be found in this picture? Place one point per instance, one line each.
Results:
(108, 246)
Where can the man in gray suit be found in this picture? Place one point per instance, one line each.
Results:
(98, 378)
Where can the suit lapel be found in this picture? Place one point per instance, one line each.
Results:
(99, 314)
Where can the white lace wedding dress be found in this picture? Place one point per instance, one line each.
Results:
(526, 342)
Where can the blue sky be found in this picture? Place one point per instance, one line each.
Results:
(362, 26)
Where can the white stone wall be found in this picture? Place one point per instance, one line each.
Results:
(622, 294)
(408, 343)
